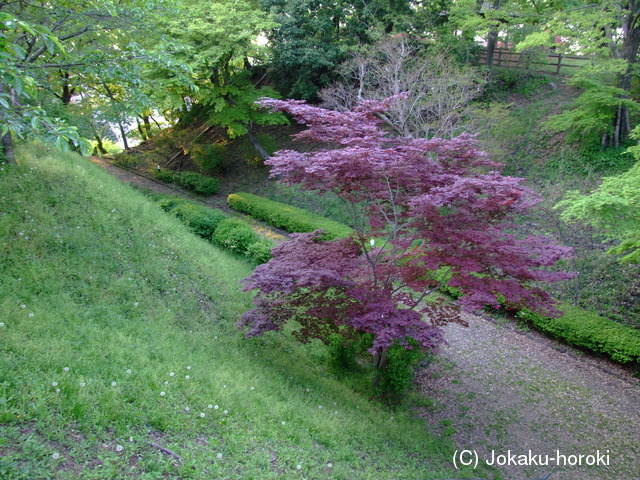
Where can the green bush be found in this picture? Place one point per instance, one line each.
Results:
(393, 382)
(201, 220)
(211, 158)
(589, 330)
(235, 236)
(127, 160)
(260, 251)
(166, 176)
(197, 183)
(285, 216)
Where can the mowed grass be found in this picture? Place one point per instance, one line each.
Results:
(118, 331)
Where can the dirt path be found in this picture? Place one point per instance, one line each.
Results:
(495, 388)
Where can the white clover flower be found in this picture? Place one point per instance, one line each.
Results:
(1, 324)
(329, 465)
(113, 384)
(225, 412)
(299, 467)
(187, 377)
(55, 456)
(320, 407)
(202, 415)
(129, 371)
(162, 394)
(57, 390)
(215, 407)
(82, 384)
(219, 456)
(171, 374)
(210, 406)
(54, 384)
(186, 409)
(188, 367)
(23, 306)
(224, 386)
(119, 448)
(31, 315)
(136, 304)
(252, 388)
(307, 389)
(166, 382)
(284, 423)
(65, 369)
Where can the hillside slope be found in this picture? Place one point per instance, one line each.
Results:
(118, 347)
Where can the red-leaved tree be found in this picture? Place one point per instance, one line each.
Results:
(426, 213)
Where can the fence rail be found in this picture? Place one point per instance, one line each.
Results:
(549, 63)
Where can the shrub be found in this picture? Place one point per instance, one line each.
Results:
(260, 251)
(166, 176)
(127, 160)
(197, 183)
(291, 219)
(235, 236)
(210, 158)
(391, 383)
(589, 330)
(201, 220)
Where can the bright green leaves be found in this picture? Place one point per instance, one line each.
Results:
(614, 208)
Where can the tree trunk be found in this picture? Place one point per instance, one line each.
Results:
(124, 136)
(629, 53)
(7, 149)
(380, 362)
(140, 130)
(254, 141)
(99, 146)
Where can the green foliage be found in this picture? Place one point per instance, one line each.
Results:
(235, 236)
(210, 158)
(260, 251)
(127, 160)
(291, 219)
(392, 382)
(586, 329)
(614, 208)
(198, 183)
(202, 220)
(517, 80)
(167, 176)
(590, 116)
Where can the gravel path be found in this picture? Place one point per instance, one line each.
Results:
(495, 388)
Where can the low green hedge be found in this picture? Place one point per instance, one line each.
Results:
(196, 182)
(230, 234)
(586, 329)
(287, 217)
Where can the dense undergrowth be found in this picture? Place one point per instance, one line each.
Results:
(118, 331)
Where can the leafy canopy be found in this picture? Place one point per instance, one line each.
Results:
(427, 213)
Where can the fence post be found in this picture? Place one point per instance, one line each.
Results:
(559, 64)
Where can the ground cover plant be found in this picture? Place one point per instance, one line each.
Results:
(118, 332)
(431, 204)
(290, 218)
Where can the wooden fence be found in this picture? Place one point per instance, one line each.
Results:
(549, 63)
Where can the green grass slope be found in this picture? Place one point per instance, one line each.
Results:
(118, 331)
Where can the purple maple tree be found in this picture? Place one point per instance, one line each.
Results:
(426, 213)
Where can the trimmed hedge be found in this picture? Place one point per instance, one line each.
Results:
(196, 182)
(586, 329)
(287, 217)
(230, 234)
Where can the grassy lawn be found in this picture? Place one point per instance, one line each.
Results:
(118, 331)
